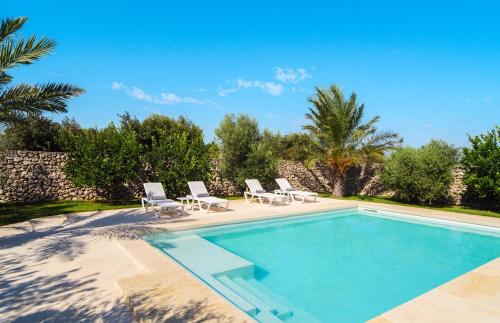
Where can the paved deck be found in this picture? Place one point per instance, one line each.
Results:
(93, 266)
(472, 297)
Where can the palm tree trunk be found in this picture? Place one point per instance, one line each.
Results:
(338, 183)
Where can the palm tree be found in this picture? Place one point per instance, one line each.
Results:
(341, 138)
(20, 100)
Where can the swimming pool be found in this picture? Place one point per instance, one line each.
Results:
(339, 266)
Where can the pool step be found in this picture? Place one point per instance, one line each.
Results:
(265, 294)
(269, 310)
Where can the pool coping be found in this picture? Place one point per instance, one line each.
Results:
(156, 257)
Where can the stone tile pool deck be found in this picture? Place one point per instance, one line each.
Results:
(94, 266)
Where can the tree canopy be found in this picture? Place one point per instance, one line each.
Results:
(342, 138)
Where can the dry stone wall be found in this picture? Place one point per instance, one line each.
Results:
(36, 175)
(457, 188)
(217, 185)
(358, 180)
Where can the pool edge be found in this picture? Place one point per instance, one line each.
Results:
(216, 222)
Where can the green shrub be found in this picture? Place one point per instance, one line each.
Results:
(156, 125)
(245, 151)
(482, 169)
(422, 174)
(173, 151)
(105, 159)
(262, 159)
(297, 146)
(35, 132)
(176, 158)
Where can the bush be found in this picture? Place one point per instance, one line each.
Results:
(261, 161)
(482, 169)
(173, 151)
(422, 174)
(297, 146)
(156, 125)
(176, 158)
(156, 149)
(245, 151)
(105, 159)
(36, 132)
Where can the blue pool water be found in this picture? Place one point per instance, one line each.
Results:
(347, 266)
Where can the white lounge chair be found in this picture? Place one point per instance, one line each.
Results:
(288, 190)
(155, 196)
(200, 195)
(255, 190)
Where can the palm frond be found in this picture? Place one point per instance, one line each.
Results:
(342, 139)
(16, 102)
(4, 78)
(23, 51)
(19, 100)
(10, 26)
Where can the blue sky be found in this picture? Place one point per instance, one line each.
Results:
(430, 70)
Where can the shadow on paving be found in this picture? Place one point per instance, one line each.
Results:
(28, 296)
(64, 240)
(164, 311)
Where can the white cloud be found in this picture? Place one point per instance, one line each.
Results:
(272, 88)
(225, 92)
(241, 84)
(282, 75)
(290, 75)
(171, 98)
(164, 98)
(271, 115)
(117, 85)
(139, 94)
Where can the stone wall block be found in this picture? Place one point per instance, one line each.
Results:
(37, 175)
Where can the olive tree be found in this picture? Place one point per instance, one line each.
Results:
(421, 174)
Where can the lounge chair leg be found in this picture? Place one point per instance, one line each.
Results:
(208, 207)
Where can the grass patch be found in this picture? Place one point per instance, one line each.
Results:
(18, 212)
(231, 198)
(450, 208)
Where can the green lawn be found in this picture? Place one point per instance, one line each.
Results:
(388, 200)
(17, 212)
(231, 198)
